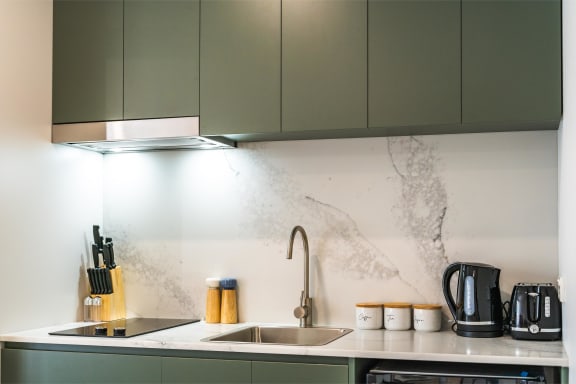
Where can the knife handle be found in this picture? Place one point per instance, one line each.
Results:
(96, 255)
(106, 256)
(110, 248)
(97, 237)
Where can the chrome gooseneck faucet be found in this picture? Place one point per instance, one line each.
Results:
(304, 310)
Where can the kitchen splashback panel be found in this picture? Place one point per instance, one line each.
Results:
(384, 217)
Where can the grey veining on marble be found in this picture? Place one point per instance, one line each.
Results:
(283, 203)
(423, 204)
(384, 217)
(161, 275)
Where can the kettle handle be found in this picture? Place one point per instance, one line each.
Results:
(452, 268)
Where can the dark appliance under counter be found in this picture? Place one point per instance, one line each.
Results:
(427, 372)
(124, 327)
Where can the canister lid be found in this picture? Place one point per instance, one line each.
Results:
(369, 305)
(397, 305)
(427, 306)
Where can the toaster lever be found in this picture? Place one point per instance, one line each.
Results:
(533, 307)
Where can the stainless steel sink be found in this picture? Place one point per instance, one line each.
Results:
(281, 335)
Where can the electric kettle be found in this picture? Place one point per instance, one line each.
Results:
(477, 308)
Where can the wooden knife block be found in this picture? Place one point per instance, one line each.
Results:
(114, 304)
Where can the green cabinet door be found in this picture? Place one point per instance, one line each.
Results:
(324, 64)
(32, 366)
(240, 67)
(205, 371)
(87, 61)
(161, 58)
(414, 62)
(290, 373)
(511, 60)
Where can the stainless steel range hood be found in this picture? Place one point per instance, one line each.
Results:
(137, 135)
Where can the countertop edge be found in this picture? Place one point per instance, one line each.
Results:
(380, 344)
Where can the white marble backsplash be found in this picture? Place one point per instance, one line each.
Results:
(384, 217)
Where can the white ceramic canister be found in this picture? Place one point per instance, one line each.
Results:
(368, 316)
(397, 316)
(427, 317)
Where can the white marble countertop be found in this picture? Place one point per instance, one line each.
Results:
(374, 344)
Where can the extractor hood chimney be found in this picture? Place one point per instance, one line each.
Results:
(137, 135)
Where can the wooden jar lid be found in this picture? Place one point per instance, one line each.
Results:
(369, 305)
(427, 306)
(397, 305)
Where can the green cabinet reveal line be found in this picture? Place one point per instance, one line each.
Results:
(324, 57)
(128, 59)
(240, 61)
(413, 62)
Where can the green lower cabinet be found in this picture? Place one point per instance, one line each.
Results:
(208, 371)
(35, 366)
(27, 366)
(290, 373)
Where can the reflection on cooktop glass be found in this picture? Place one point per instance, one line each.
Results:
(125, 327)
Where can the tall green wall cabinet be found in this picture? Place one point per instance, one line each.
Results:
(413, 62)
(511, 61)
(324, 68)
(240, 63)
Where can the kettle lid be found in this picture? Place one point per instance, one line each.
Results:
(481, 265)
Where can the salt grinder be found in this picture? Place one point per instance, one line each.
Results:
(213, 300)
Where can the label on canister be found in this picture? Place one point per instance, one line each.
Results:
(369, 316)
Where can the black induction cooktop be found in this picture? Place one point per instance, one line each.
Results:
(125, 327)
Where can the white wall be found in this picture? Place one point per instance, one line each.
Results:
(49, 195)
(567, 184)
(384, 218)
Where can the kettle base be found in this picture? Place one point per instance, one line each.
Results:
(479, 333)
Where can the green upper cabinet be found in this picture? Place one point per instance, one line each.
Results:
(414, 62)
(128, 59)
(511, 60)
(240, 67)
(87, 61)
(161, 58)
(324, 64)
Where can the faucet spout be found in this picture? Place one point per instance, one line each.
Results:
(304, 311)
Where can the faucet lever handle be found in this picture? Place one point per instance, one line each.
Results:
(301, 311)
